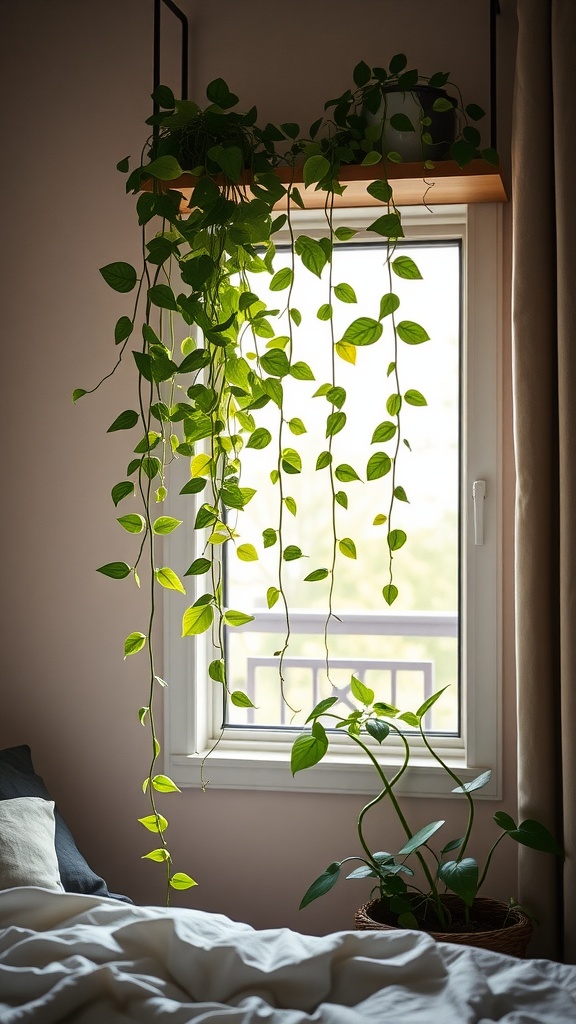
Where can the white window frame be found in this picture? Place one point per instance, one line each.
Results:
(260, 759)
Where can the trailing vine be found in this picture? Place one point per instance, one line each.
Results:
(209, 355)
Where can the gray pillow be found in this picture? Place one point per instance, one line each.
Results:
(27, 849)
(17, 779)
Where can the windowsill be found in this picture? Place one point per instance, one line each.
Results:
(232, 767)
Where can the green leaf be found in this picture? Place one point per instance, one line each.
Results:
(309, 749)
(199, 567)
(429, 703)
(388, 225)
(241, 700)
(388, 304)
(342, 498)
(362, 693)
(122, 490)
(347, 547)
(393, 404)
(291, 461)
(219, 93)
(379, 465)
(234, 618)
(315, 168)
(281, 280)
(363, 331)
(420, 838)
(115, 570)
(321, 885)
(384, 432)
(345, 293)
(165, 168)
(134, 643)
(323, 460)
(390, 593)
(180, 880)
(318, 574)
(269, 537)
(291, 553)
(301, 371)
(154, 822)
(414, 397)
(402, 123)
(290, 505)
(396, 539)
(325, 312)
(132, 523)
(260, 438)
(344, 234)
(536, 836)
(78, 393)
(272, 595)
(371, 158)
(321, 708)
(474, 111)
(461, 877)
(380, 190)
(404, 266)
(197, 619)
(165, 524)
(163, 296)
(123, 329)
(361, 74)
(247, 553)
(398, 63)
(120, 276)
(311, 253)
(504, 821)
(275, 362)
(167, 578)
(335, 423)
(345, 473)
(478, 783)
(411, 333)
(400, 494)
(377, 729)
(296, 425)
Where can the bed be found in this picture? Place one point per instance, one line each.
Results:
(67, 957)
(71, 952)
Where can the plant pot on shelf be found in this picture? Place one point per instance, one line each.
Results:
(493, 925)
(415, 104)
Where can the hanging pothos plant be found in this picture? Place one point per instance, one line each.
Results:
(197, 397)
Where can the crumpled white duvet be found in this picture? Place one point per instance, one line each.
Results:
(68, 958)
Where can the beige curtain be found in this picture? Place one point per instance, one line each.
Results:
(544, 290)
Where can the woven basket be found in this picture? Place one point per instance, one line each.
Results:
(512, 939)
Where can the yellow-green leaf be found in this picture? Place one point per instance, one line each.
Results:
(346, 352)
(167, 578)
(165, 524)
(197, 619)
(154, 822)
(200, 465)
(247, 553)
(134, 643)
(182, 881)
(164, 785)
(347, 547)
(157, 855)
(272, 595)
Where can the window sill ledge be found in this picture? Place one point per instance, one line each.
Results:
(228, 768)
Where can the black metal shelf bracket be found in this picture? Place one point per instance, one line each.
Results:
(175, 10)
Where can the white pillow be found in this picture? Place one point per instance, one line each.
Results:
(27, 851)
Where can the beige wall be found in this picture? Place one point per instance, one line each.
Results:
(76, 79)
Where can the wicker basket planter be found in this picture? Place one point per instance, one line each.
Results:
(496, 927)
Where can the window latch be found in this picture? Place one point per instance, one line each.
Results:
(478, 496)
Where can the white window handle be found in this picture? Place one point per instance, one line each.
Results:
(478, 496)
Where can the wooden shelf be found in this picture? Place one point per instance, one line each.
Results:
(479, 182)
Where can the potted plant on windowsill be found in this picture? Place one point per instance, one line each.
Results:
(429, 887)
(209, 355)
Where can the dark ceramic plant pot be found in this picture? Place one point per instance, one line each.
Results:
(416, 104)
(494, 926)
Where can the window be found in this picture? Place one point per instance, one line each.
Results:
(443, 629)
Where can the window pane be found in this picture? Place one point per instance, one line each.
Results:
(407, 651)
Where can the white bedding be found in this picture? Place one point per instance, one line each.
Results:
(68, 958)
